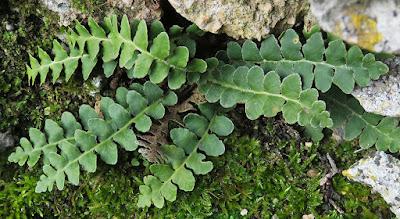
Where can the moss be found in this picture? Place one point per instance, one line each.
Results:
(95, 8)
(22, 105)
(265, 174)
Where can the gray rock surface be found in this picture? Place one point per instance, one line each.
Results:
(372, 24)
(381, 171)
(241, 18)
(382, 96)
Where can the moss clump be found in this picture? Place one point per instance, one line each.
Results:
(266, 175)
(24, 26)
(89, 7)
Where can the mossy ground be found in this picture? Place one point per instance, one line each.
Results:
(266, 177)
(267, 169)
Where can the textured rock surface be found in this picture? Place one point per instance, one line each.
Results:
(380, 171)
(383, 96)
(241, 18)
(372, 24)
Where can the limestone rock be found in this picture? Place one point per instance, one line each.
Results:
(380, 171)
(241, 18)
(382, 96)
(372, 24)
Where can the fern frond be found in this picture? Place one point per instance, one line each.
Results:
(127, 45)
(73, 145)
(264, 94)
(371, 129)
(315, 63)
(186, 157)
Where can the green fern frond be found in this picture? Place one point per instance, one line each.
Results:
(371, 129)
(316, 64)
(186, 157)
(264, 94)
(69, 147)
(129, 46)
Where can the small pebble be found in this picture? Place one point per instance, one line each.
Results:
(312, 173)
(9, 27)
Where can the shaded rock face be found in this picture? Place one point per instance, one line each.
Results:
(372, 24)
(382, 96)
(380, 171)
(241, 18)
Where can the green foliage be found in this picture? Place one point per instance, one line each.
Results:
(183, 158)
(68, 147)
(277, 78)
(317, 65)
(265, 94)
(371, 129)
(131, 46)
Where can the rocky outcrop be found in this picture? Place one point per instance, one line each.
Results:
(372, 24)
(241, 18)
(381, 171)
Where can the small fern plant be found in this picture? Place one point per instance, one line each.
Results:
(186, 156)
(130, 46)
(306, 83)
(319, 66)
(74, 144)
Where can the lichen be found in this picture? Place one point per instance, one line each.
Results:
(365, 29)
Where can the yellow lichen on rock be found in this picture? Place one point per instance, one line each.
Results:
(372, 24)
(366, 30)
